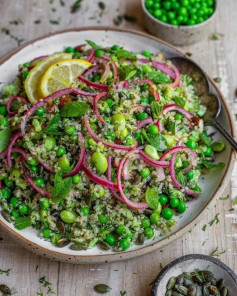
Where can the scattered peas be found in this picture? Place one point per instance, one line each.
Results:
(124, 244)
(45, 203)
(23, 209)
(39, 182)
(103, 219)
(163, 199)
(174, 202)
(142, 115)
(149, 232)
(49, 143)
(120, 229)
(85, 211)
(154, 218)
(46, 233)
(40, 111)
(110, 239)
(181, 208)
(145, 173)
(145, 222)
(60, 151)
(76, 179)
(167, 213)
(63, 162)
(153, 129)
(15, 201)
(5, 193)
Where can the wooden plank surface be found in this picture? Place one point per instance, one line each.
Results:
(218, 58)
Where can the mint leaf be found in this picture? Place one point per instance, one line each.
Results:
(179, 101)
(62, 187)
(23, 222)
(152, 198)
(158, 77)
(53, 125)
(74, 109)
(5, 136)
(210, 165)
(156, 109)
(122, 53)
(93, 44)
(157, 141)
(130, 74)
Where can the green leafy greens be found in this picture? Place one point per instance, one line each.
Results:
(62, 187)
(23, 222)
(152, 198)
(93, 44)
(53, 125)
(74, 109)
(210, 165)
(5, 136)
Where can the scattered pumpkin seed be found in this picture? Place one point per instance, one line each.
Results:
(5, 290)
(62, 242)
(171, 282)
(103, 245)
(6, 216)
(102, 288)
(78, 247)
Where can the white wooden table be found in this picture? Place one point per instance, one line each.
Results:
(218, 58)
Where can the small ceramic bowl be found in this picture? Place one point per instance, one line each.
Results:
(177, 35)
(191, 262)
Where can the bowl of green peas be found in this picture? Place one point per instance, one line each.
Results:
(179, 22)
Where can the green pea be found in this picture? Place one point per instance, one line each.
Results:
(15, 201)
(115, 47)
(178, 116)
(147, 54)
(191, 22)
(8, 182)
(70, 130)
(63, 162)
(40, 111)
(15, 174)
(4, 121)
(145, 173)
(103, 219)
(181, 208)
(60, 151)
(69, 49)
(68, 216)
(174, 202)
(149, 232)
(171, 15)
(23, 209)
(85, 211)
(46, 233)
(151, 151)
(77, 55)
(25, 74)
(191, 144)
(190, 175)
(218, 146)
(3, 110)
(76, 179)
(138, 137)
(110, 239)
(34, 169)
(45, 203)
(154, 218)
(118, 120)
(109, 102)
(124, 244)
(175, 5)
(55, 238)
(124, 133)
(167, 213)
(129, 141)
(44, 214)
(120, 229)
(5, 193)
(167, 5)
(15, 214)
(149, 3)
(111, 135)
(49, 143)
(163, 199)
(197, 188)
(208, 152)
(153, 129)
(39, 182)
(99, 53)
(145, 222)
(142, 115)
(32, 161)
(157, 13)
(100, 161)
(144, 101)
(183, 11)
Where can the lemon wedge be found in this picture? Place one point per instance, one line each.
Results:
(32, 82)
(61, 75)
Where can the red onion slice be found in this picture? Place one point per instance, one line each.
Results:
(163, 68)
(95, 107)
(39, 58)
(144, 122)
(114, 66)
(98, 139)
(91, 70)
(159, 163)
(9, 149)
(93, 84)
(138, 107)
(91, 56)
(11, 100)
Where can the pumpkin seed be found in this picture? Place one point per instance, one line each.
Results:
(174, 293)
(101, 288)
(192, 290)
(197, 278)
(209, 277)
(6, 216)
(5, 289)
(168, 293)
(221, 284)
(180, 279)
(224, 291)
(62, 242)
(140, 239)
(103, 245)
(171, 283)
(60, 226)
(147, 212)
(213, 290)
(78, 247)
(182, 289)
(205, 291)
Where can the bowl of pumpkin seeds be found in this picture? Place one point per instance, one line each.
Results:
(195, 275)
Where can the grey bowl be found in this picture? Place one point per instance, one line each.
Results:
(177, 35)
(189, 263)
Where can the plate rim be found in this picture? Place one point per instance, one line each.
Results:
(154, 246)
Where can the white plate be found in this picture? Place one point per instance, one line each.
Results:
(212, 184)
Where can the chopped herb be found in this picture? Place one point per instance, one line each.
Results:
(46, 284)
(37, 22)
(232, 209)
(16, 22)
(101, 5)
(161, 266)
(53, 125)
(76, 6)
(36, 268)
(217, 79)
(115, 269)
(6, 31)
(62, 3)
(130, 18)
(224, 198)
(54, 22)
(156, 109)
(122, 53)
(214, 37)
(190, 231)
(23, 222)
(6, 272)
(152, 282)
(215, 252)
(123, 293)
(204, 227)
(215, 220)
(93, 44)
(40, 294)
(53, 9)
(189, 54)
(51, 1)
(203, 243)
(118, 20)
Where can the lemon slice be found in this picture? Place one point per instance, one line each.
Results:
(61, 75)
(34, 77)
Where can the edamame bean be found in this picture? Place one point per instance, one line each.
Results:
(151, 151)
(68, 216)
(100, 161)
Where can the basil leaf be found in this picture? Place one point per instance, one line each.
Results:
(152, 198)
(53, 125)
(158, 77)
(74, 109)
(5, 136)
(180, 101)
(23, 222)
(93, 44)
(210, 165)
(122, 53)
(62, 187)
(156, 109)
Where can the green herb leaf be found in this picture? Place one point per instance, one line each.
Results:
(157, 141)
(215, 220)
(156, 109)
(23, 222)
(170, 126)
(217, 79)
(181, 178)
(53, 125)
(7, 271)
(214, 37)
(158, 77)
(205, 139)
(122, 53)
(189, 54)
(179, 101)
(93, 44)
(215, 252)
(74, 109)
(210, 165)
(5, 136)
(54, 22)
(123, 293)
(204, 227)
(62, 187)
(76, 6)
(152, 198)
(130, 74)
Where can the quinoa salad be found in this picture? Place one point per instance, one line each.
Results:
(101, 147)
